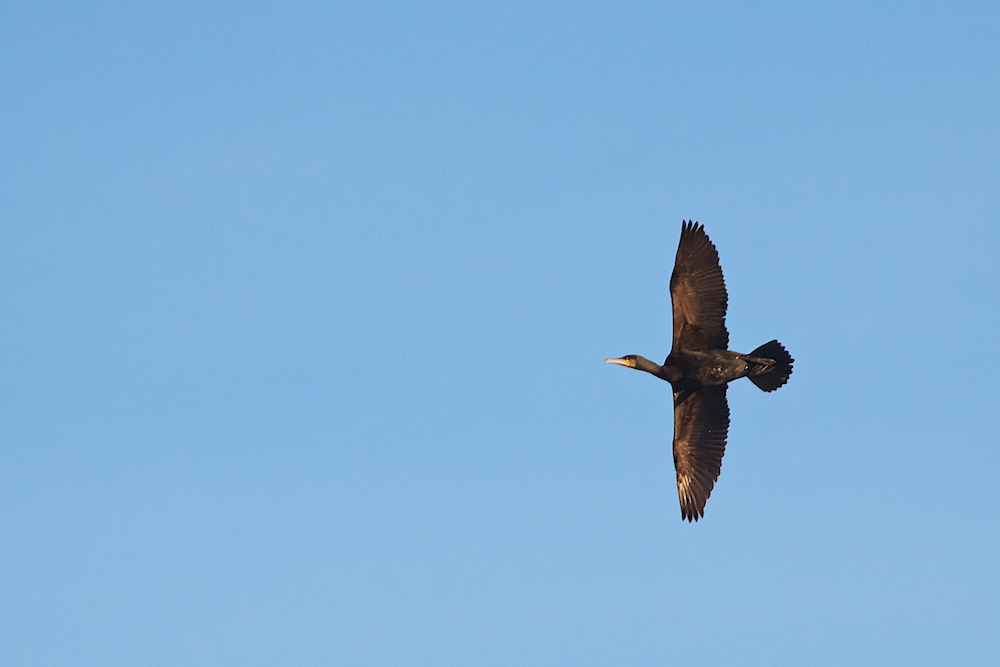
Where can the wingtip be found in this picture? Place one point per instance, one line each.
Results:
(690, 516)
(688, 226)
(696, 235)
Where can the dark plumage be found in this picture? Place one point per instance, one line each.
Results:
(700, 365)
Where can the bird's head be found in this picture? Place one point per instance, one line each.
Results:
(629, 360)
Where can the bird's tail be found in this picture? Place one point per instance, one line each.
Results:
(772, 366)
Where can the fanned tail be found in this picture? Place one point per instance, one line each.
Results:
(772, 368)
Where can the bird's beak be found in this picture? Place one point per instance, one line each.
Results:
(628, 363)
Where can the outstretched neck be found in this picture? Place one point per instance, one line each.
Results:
(644, 364)
(668, 373)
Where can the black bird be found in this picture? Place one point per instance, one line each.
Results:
(700, 365)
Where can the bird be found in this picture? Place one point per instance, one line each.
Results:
(700, 366)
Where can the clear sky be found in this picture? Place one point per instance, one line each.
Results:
(303, 308)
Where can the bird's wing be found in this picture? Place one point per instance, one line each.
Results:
(701, 423)
(698, 293)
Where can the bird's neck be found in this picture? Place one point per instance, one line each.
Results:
(664, 372)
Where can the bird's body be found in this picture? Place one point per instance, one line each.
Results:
(705, 369)
(700, 365)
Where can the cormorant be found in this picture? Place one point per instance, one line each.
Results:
(700, 365)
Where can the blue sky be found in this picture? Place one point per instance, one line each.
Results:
(304, 309)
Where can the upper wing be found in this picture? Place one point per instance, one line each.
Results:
(698, 293)
(701, 423)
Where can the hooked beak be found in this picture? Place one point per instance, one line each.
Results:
(628, 363)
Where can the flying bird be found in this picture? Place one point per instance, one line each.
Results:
(700, 365)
